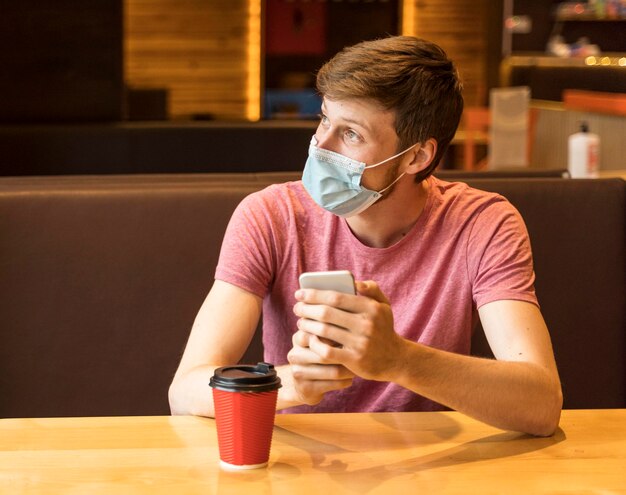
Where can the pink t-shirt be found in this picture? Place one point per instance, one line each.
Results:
(468, 248)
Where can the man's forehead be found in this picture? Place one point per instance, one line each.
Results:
(366, 113)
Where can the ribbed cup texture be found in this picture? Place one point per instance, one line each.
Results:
(245, 423)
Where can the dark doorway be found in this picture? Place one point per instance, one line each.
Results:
(300, 35)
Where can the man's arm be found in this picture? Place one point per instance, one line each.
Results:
(220, 335)
(518, 391)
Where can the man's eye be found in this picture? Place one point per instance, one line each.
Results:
(323, 119)
(352, 136)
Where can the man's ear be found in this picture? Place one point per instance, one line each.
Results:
(422, 156)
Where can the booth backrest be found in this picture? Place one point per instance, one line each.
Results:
(101, 278)
(577, 232)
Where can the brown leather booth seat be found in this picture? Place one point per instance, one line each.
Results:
(101, 278)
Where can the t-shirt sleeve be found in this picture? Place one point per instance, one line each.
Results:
(500, 262)
(247, 253)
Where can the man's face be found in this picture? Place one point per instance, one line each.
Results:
(362, 130)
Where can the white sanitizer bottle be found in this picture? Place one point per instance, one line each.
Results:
(583, 153)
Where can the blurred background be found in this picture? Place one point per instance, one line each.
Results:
(176, 62)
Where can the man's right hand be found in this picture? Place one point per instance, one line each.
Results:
(311, 379)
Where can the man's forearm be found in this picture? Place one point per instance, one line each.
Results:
(190, 393)
(518, 396)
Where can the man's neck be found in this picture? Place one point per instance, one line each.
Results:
(391, 218)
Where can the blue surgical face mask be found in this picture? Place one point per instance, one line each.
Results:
(334, 181)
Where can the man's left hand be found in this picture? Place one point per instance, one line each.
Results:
(361, 325)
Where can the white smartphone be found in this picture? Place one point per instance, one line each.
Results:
(339, 280)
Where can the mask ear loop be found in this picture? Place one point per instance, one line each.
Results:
(392, 157)
(397, 179)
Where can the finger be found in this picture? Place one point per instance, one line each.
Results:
(327, 353)
(324, 297)
(316, 304)
(323, 320)
(301, 338)
(321, 372)
(306, 356)
(369, 288)
(327, 333)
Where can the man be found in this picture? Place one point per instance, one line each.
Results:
(430, 257)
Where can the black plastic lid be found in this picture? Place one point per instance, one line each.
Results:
(246, 378)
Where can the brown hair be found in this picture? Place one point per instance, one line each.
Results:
(410, 76)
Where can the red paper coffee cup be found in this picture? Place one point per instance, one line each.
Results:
(244, 397)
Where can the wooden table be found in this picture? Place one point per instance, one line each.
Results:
(329, 454)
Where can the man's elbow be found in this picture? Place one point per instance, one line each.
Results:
(183, 401)
(548, 421)
(173, 395)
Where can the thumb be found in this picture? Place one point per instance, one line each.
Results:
(369, 288)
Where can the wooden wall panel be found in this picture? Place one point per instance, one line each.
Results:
(196, 49)
(460, 27)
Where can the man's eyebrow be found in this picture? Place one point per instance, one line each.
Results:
(350, 120)
(359, 123)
